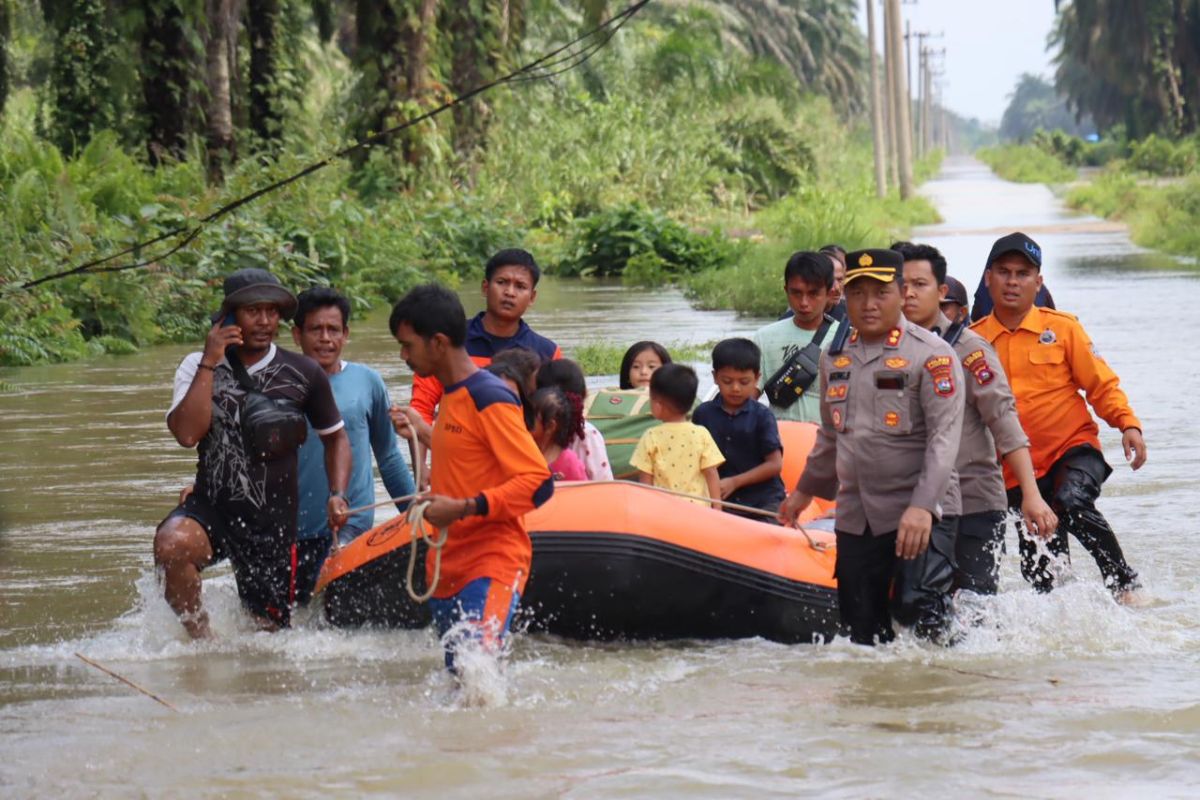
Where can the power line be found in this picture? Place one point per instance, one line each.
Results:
(555, 62)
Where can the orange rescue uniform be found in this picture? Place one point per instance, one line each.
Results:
(481, 346)
(481, 449)
(1049, 359)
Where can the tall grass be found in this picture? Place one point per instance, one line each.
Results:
(1161, 216)
(850, 216)
(1026, 163)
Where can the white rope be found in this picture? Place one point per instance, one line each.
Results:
(813, 543)
(418, 529)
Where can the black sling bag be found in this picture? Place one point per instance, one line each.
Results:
(271, 429)
(791, 380)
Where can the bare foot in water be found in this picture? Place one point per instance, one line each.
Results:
(196, 624)
(1134, 598)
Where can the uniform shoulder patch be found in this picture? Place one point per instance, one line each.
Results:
(976, 363)
(941, 371)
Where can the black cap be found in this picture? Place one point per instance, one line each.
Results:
(882, 265)
(1016, 243)
(252, 285)
(957, 292)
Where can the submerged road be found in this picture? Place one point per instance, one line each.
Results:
(1063, 695)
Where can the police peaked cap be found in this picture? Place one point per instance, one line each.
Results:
(882, 265)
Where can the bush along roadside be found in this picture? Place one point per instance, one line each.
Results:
(1152, 185)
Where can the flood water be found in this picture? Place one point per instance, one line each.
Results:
(1051, 696)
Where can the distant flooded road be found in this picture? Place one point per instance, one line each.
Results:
(1065, 695)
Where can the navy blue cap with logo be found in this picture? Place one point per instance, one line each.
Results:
(1023, 245)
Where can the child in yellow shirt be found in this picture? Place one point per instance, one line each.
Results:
(678, 455)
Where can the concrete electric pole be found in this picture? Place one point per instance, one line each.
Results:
(900, 101)
(877, 137)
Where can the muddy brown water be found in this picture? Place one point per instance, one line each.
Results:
(1055, 696)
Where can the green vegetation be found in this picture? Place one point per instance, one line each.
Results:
(604, 358)
(848, 215)
(1025, 163)
(1131, 63)
(1034, 106)
(647, 161)
(1162, 216)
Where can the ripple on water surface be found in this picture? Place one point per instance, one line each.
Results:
(1047, 696)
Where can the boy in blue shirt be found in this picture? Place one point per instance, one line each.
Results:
(744, 429)
(321, 328)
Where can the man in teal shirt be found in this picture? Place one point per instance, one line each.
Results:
(807, 279)
(321, 328)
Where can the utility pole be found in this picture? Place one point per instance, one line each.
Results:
(921, 95)
(921, 124)
(930, 55)
(901, 103)
(889, 62)
(876, 108)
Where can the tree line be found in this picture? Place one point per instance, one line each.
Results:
(166, 74)
(1131, 63)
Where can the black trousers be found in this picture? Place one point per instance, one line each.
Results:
(977, 551)
(867, 571)
(310, 557)
(1071, 487)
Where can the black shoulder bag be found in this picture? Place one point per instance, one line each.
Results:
(954, 332)
(791, 380)
(270, 429)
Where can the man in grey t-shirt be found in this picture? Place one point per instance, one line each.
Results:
(807, 279)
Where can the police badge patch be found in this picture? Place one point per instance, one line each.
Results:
(941, 370)
(976, 364)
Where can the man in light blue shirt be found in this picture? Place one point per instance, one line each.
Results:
(321, 328)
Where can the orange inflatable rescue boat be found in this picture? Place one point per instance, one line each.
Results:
(624, 561)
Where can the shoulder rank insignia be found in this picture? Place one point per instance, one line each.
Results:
(1048, 337)
(940, 369)
(854, 336)
(896, 362)
(894, 336)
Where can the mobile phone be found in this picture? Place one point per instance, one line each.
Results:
(230, 319)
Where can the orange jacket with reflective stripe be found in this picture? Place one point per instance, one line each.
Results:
(1049, 360)
(481, 449)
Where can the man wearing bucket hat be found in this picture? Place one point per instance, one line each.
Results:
(1053, 366)
(244, 401)
(891, 415)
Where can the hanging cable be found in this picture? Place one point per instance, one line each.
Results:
(548, 66)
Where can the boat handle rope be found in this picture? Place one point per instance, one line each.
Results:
(418, 528)
(813, 543)
(415, 516)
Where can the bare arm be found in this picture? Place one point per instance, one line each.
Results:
(713, 481)
(337, 468)
(1038, 516)
(770, 468)
(190, 420)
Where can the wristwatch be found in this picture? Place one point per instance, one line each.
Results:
(340, 495)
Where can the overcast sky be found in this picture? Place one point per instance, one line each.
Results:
(989, 43)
